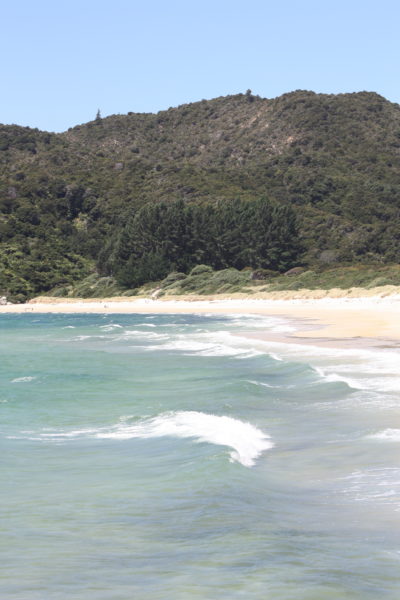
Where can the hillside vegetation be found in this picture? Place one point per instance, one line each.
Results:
(82, 202)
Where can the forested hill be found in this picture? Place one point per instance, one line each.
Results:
(70, 201)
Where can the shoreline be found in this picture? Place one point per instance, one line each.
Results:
(346, 322)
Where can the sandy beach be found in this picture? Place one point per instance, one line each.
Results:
(345, 321)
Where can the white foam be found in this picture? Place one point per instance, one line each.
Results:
(274, 324)
(84, 338)
(145, 335)
(360, 369)
(268, 385)
(209, 344)
(23, 379)
(205, 348)
(69, 434)
(377, 485)
(389, 435)
(247, 441)
(334, 377)
(275, 356)
(262, 384)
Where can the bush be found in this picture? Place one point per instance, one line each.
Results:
(172, 278)
(200, 269)
(263, 274)
(61, 292)
(380, 281)
(230, 277)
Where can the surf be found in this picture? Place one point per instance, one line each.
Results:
(246, 441)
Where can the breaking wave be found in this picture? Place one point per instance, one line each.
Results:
(247, 441)
(23, 379)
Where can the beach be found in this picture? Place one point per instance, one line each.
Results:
(359, 321)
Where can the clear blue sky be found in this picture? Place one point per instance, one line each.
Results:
(64, 59)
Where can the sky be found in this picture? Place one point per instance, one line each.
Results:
(62, 60)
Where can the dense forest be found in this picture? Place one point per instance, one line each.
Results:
(240, 181)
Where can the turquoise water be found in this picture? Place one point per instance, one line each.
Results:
(170, 457)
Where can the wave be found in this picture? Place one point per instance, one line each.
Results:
(360, 369)
(110, 327)
(335, 377)
(83, 338)
(377, 485)
(209, 344)
(247, 441)
(274, 324)
(145, 335)
(23, 379)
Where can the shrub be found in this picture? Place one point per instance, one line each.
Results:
(230, 276)
(263, 274)
(200, 269)
(172, 278)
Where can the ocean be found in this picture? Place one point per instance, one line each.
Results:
(171, 457)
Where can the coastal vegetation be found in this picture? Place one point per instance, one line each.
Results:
(238, 183)
(202, 280)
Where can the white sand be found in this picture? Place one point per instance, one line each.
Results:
(341, 318)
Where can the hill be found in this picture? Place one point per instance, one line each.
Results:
(67, 200)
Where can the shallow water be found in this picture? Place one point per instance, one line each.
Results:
(166, 456)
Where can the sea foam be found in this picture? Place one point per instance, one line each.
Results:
(209, 344)
(23, 379)
(389, 435)
(247, 441)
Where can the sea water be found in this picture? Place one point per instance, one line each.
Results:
(170, 457)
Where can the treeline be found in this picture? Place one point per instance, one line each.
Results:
(176, 236)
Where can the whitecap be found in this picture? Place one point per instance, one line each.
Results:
(263, 384)
(389, 435)
(359, 368)
(82, 338)
(204, 348)
(208, 344)
(275, 356)
(335, 377)
(245, 439)
(145, 335)
(23, 379)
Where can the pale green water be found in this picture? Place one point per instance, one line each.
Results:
(161, 457)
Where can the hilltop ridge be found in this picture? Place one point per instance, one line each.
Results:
(334, 159)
